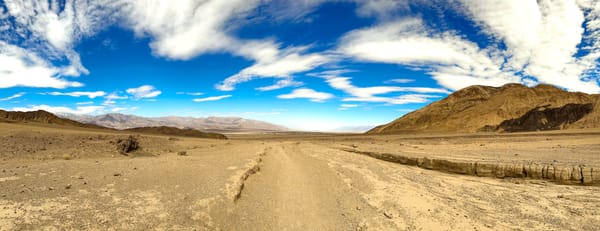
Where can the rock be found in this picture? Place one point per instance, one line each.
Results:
(182, 153)
(125, 146)
(545, 118)
(117, 174)
(388, 214)
(68, 186)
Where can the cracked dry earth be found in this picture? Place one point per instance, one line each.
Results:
(258, 183)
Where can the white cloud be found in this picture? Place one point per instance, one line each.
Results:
(307, 93)
(186, 28)
(542, 38)
(111, 98)
(369, 94)
(273, 63)
(121, 109)
(212, 98)
(400, 81)
(91, 95)
(22, 67)
(281, 84)
(17, 95)
(347, 106)
(85, 103)
(49, 30)
(80, 110)
(189, 93)
(448, 56)
(402, 99)
(343, 83)
(381, 8)
(145, 91)
(533, 41)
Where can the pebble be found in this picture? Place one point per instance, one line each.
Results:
(68, 186)
(117, 174)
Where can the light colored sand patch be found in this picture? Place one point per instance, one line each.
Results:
(2, 179)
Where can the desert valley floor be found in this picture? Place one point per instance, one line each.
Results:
(74, 179)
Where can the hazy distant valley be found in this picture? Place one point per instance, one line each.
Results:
(209, 124)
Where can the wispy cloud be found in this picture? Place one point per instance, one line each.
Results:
(372, 94)
(111, 98)
(402, 99)
(85, 103)
(89, 94)
(212, 98)
(50, 32)
(189, 93)
(17, 95)
(347, 106)
(306, 93)
(532, 41)
(399, 81)
(145, 91)
(281, 84)
(272, 62)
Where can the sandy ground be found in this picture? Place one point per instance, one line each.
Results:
(59, 178)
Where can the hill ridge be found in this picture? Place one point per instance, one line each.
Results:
(472, 108)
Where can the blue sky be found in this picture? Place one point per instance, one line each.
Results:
(310, 65)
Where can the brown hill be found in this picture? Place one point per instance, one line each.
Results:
(43, 117)
(478, 108)
(164, 130)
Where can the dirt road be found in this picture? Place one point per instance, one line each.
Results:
(293, 184)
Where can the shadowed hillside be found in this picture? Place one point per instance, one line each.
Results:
(482, 108)
(164, 130)
(41, 116)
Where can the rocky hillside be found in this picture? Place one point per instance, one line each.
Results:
(482, 108)
(41, 116)
(213, 124)
(163, 130)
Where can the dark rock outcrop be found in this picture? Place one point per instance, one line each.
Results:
(545, 118)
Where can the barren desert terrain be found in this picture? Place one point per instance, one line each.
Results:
(56, 178)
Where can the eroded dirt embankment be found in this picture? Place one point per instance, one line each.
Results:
(573, 174)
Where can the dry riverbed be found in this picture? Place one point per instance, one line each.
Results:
(59, 178)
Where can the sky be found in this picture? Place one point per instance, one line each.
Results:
(308, 65)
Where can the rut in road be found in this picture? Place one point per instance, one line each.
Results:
(294, 191)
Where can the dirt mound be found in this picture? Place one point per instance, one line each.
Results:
(473, 108)
(41, 116)
(164, 130)
(544, 118)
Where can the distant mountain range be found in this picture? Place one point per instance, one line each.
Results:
(210, 124)
(512, 107)
(44, 117)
